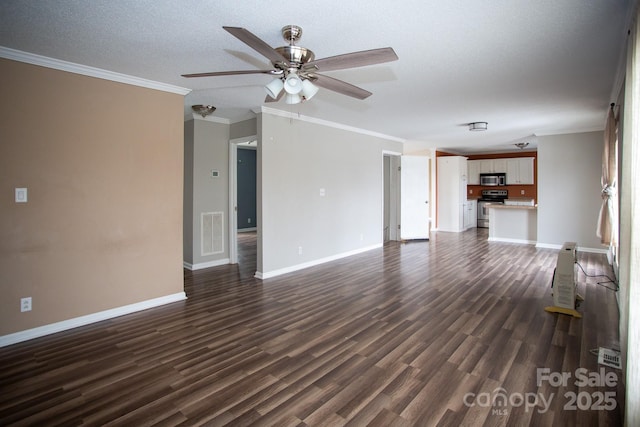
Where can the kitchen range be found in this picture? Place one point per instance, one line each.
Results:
(489, 197)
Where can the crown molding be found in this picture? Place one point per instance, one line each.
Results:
(303, 118)
(250, 115)
(214, 119)
(190, 115)
(572, 131)
(57, 64)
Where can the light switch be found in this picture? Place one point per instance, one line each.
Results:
(322, 192)
(21, 195)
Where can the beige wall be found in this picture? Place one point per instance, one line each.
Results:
(102, 162)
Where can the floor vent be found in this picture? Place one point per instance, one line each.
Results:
(212, 226)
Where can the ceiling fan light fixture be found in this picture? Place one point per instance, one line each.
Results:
(293, 84)
(274, 88)
(203, 110)
(293, 64)
(309, 89)
(477, 126)
(292, 98)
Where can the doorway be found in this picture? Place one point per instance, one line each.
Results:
(391, 192)
(243, 217)
(406, 192)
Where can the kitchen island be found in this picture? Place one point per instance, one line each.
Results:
(513, 223)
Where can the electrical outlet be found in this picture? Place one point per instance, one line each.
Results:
(299, 250)
(522, 192)
(25, 304)
(249, 220)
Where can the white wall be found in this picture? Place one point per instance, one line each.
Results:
(569, 170)
(299, 158)
(187, 200)
(207, 142)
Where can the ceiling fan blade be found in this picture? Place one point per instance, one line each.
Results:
(354, 59)
(339, 86)
(257, 44)
(233, 73)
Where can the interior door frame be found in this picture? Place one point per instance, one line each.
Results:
(412, 201)
(394, 194)
(233, 195)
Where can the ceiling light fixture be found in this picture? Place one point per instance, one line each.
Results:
(292, 84)
(478, 126)
(297, 89)
(521, 145)
(292, 98)
(309, 89)
(203, 110)
(274, 88)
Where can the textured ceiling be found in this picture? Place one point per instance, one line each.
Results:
(526, 67)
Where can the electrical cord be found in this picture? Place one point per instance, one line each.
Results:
(601, 283)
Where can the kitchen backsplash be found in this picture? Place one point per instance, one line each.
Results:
(515, 191)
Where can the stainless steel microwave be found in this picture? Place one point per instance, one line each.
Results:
(493, 179)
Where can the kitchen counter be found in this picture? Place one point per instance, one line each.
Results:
(512, 207)
(513, 223)
(519, 201)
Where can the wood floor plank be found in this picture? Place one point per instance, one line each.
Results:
(412, 334)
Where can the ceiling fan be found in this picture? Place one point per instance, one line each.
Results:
(296, 68)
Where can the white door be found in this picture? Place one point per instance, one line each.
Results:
(414, 197)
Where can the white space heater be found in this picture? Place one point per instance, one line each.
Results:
(564, 291)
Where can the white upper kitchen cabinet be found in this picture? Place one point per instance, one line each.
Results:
(452, 192)
(499, 165)
(493, 165)
(486, 166)
(520, 171)
(473, 175)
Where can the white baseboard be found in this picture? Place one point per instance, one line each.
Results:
(521, 241)
(52, 328)
(207, 264)
(548, 246)
(281, 271)
(578, 248)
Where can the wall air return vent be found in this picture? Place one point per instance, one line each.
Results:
(212, 226)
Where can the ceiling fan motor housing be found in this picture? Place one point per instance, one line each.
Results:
(295, 55)
(291, 33)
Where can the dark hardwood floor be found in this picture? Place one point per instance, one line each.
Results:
(417, 334)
